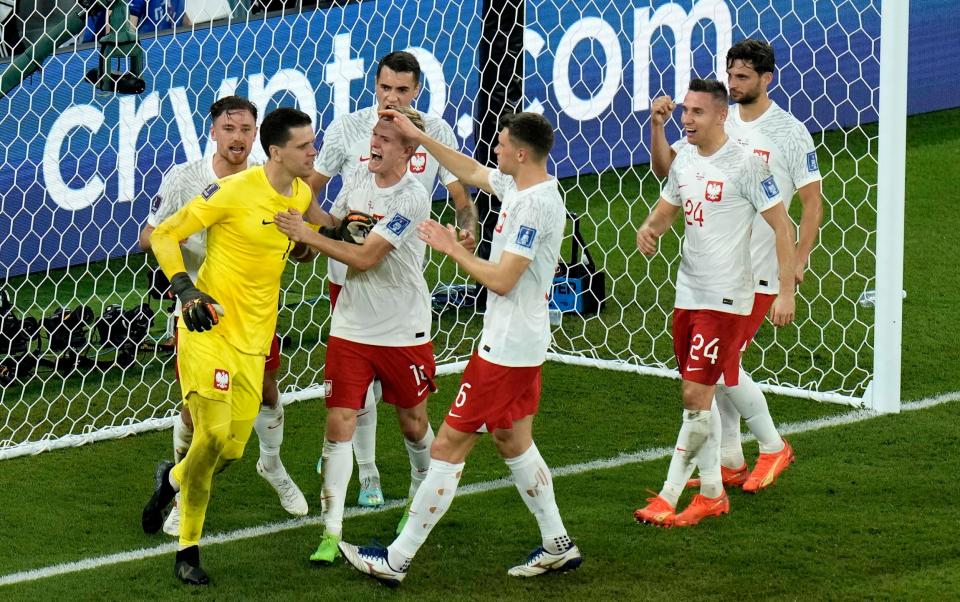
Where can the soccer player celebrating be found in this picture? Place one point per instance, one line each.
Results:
(500, 388)
(721, 187)
(381, 324)
(758, 124)
(228, 317)
(346, 147)
(234, 129)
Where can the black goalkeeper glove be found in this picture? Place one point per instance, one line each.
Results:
(353, 228)
(199, 311)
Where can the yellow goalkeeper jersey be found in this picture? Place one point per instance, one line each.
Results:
(246, 253)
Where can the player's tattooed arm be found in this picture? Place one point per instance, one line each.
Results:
(466, 215)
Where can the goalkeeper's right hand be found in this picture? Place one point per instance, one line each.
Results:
(199, 311)
(353, 228)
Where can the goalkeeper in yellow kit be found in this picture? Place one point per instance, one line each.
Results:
(229, 316)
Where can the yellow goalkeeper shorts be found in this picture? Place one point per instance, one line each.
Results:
(215, 369)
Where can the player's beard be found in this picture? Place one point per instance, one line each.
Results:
(233, 159)
(748, 98)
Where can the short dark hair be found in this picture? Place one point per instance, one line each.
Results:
(713, 87)
(276, 126)
(400, 62)
(229, 104)
(531, 130)
(755, 53)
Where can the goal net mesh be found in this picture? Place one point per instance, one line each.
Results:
(79, 167)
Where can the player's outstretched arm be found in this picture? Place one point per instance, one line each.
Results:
(783, 309)
(810, 220)
(661, 155)
(467, 169)
(655, 225)
(315, 215)
(359, 257)
(466, 212)
(498, 277)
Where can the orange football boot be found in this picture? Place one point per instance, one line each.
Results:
(658, 512)
(768, 468)
(700, 508)
(732, 477)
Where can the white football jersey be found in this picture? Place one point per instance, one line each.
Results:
(786, 146)
(389, 304)
(346, 147)
(516, 329)
(179, 186)
(720, 196)
(783, 142)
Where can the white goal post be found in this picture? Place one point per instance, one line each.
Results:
(80, 166)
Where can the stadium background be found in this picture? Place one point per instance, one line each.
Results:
(80, 173)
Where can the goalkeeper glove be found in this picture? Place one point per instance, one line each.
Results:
(199, 310)
(353, 228)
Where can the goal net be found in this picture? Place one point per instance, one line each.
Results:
(80, 166)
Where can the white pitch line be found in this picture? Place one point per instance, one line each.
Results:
(646, 455)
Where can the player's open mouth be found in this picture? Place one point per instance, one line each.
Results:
(375, 156)
(238, 149)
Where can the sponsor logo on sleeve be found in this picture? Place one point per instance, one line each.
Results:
(221, 379)
(763, 154)
(525, 236)
(812, 164)
(155, 204)
(398, 224)
(418, 162)
(713, 192)
(770, 187)
(209, 191)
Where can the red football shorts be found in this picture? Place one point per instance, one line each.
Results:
(405, 373)
(762, 303)
(494, 395)
(334, 293)
(273, 358)
(706, 344)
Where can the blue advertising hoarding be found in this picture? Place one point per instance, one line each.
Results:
(592, 68)
(78, 168)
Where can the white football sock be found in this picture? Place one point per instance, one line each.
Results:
(427, 508)
(535, 484)
(269, 427)
(752, 405)
(337, 468)
(731, 449)
(708, 458)
(694, 431)
(365, 437)
(182, 437)
(419, 454)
